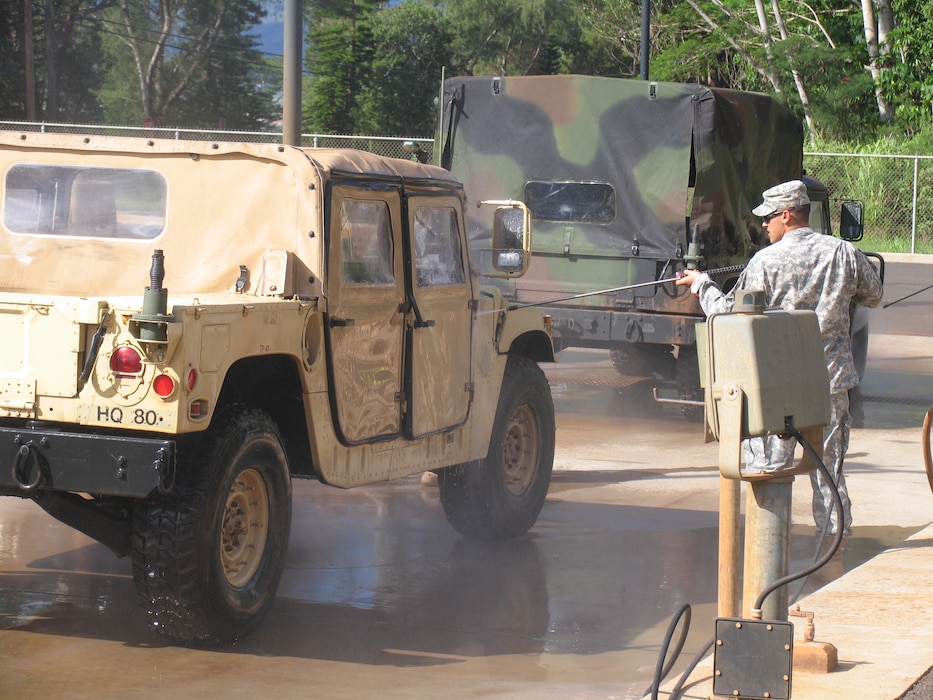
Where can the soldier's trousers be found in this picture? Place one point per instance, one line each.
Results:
(772, 454)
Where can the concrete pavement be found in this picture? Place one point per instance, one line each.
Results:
(877, 615)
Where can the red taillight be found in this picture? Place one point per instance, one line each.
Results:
(192, 378)
(163, 385)
(125, 361)
(197, 409)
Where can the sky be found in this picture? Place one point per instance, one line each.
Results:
(271, 37)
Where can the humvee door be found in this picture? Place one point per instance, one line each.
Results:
(366, 298)
(399, 339)
(439, 388)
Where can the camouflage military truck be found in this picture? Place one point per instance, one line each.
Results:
(628, 181)
(188, 325)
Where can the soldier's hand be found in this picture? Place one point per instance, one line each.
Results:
(687, 277)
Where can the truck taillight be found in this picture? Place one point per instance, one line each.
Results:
(163, 385)
(126, 362)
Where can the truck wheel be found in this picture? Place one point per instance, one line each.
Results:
(860, 350)
(500, 497)
(688, 380)
(207, 559)
(642, 359)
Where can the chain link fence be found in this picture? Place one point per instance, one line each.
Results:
(414, 148)
(896, 191)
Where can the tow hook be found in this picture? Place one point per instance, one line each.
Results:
(27, 456)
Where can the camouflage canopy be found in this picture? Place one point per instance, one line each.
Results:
(660, 159)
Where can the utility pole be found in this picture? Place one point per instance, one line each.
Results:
(645, 37)
(51, 64)
(291, 75)
(30, 62)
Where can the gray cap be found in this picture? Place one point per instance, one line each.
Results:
(787, 195)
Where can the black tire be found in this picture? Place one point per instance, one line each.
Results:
(501, 496)
(860, 350)
(642, 359)
(688, 381)
(207, 560)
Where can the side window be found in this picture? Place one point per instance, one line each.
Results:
(92, 202)
(571, 202)
(818, 220)
(366, 243)
(438, 260)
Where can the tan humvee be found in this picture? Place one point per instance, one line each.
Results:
(187, 325)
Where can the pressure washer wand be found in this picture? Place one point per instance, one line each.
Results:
(513, 307)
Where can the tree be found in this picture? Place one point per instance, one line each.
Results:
(192, 61)
(874, 41)
(613, 30)
(768, 45)
(412, 47)
(798, 78)
(339, 57)
(908, 83)
(50, 60)
(13, 48)
(507, 37)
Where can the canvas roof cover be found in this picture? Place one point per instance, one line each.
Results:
(651, 141)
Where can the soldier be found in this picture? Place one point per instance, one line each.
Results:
(802, 269)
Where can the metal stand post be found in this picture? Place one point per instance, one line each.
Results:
(729, 502)
(767, 530)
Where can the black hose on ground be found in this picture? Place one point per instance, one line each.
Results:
(661, 670)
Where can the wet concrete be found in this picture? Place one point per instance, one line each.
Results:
(381, 598)
(378, 592)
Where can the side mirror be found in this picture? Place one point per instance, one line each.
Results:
(851, 227)
(511, 238)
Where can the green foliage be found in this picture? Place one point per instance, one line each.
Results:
(374, 65)
(841, 92)
(884, 183)
(507, 37)
(12, 62)
(65, 67)
(690, 51)
(412, 47)
(235, 86)
(908, 83)
(341, 47)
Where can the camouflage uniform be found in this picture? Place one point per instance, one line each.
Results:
(807, 270)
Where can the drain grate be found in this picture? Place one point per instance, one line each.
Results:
(610, 379)
(898, 400)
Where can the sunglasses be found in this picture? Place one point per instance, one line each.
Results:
(767, 218)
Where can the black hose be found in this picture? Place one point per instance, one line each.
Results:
(660, 673)
(820, 538)
(660, 670)
(678, 689)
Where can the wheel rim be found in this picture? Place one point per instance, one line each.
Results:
(245, 527)
(521, 450)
